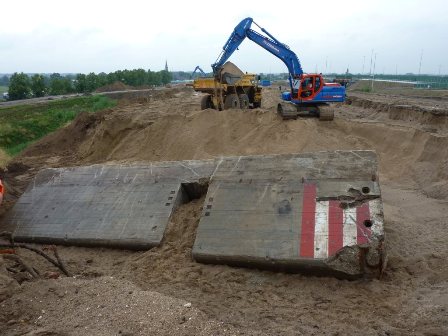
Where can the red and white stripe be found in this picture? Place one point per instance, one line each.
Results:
(327, 227)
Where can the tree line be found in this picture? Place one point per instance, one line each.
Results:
(22, 86)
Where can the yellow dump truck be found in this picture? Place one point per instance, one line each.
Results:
(231, 89)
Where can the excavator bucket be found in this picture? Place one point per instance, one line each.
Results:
(230, 73)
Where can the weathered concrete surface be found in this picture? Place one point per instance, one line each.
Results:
(321, 211)
(317, 211)
(104, 205)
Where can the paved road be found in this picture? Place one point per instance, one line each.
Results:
(46, 99)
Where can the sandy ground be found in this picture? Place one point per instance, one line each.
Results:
(163, 291)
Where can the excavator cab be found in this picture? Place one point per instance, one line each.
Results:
(308, 86)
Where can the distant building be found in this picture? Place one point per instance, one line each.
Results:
(166, 65)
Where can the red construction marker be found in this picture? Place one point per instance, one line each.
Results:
(308, 220)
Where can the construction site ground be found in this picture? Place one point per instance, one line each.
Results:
(164, 292)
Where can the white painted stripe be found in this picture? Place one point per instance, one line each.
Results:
(321, 230)
(376, 214)
(349, 227)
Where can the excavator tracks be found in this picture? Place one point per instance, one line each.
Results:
(326, 114)
(291, 111)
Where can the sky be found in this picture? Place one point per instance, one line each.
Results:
(81, 36)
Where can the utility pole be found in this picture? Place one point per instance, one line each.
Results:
(420, 65)
(373, 75)
(371, 60)
(363, 64)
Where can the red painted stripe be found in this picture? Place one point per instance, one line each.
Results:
(363, 232)
(335, 227)
(308, 220)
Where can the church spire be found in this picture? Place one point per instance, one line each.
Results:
(166, 65)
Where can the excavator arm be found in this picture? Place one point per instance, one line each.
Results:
(269, 43)
(198, 68)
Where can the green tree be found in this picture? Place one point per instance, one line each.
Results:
(165, 77)
(67, 84)
(101, 79)
(38, 87)
(19, 86)
(60, 85)
(81, 83)
(91, 82)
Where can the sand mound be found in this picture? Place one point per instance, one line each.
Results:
(116, 86)
(171, 127)
(121, 309)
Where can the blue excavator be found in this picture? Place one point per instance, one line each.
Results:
(308, 92)
(198, 68)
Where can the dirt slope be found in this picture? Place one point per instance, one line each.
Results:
(412, 298)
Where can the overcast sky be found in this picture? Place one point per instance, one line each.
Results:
(94, 36)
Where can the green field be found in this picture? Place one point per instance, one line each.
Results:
(21, 125)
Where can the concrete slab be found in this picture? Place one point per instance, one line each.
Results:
(104, 205)
(320, 212)
(316, 211)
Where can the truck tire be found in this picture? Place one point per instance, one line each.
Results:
(206, 102)
(232, 102)
(244, 101)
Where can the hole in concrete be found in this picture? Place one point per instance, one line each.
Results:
(368, 223)
(194, 190)
(365, 190)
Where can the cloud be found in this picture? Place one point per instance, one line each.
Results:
(50, 36)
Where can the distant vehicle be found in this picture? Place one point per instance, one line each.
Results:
(265, 82)
(5, 95)
(198, 68)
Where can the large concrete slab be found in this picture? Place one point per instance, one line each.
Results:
(104, 205)
(317, 211)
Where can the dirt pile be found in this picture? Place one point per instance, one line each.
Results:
(104, 306)
(116, 86)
